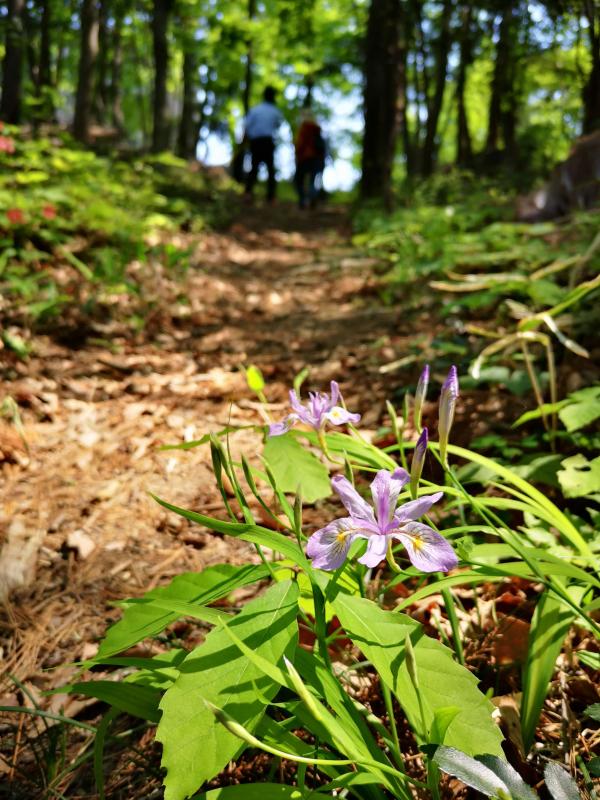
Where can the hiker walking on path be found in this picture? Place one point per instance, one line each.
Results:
(310, 160)
(261, 125)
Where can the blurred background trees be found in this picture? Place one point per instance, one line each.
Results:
(506, 84)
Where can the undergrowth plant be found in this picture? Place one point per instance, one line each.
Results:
(277, 674)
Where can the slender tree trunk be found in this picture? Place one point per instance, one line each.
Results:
(248, 70)
(44, 87)
(186, 138)
(591, 90)
(499, 80)
(45, 70)
(380, 99)
(116, 71)
(87, 60)
(12, 65)
(160, 25)
(464, 146)
(435, 107)
(402, 122)
(102, 93)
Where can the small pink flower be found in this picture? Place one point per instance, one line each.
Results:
(15, 216)
(7, 145)
(49, 211)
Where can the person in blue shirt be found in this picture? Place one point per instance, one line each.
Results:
(261, 124)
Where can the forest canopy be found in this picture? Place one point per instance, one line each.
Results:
(440, 83)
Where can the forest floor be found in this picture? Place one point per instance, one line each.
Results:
(279, 288)
(98, 397)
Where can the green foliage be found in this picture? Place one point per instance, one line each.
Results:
(550, 624)
(77, 234)
(442, 682)
(195, 746)
(295, 468)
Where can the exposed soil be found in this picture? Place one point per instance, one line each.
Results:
(281, 289)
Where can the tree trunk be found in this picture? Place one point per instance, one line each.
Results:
(186, 138)
(464, 146)
(12, 65)
(380, 99)
(45, 70)
(102, 93)
(44, 87)
(402, 122)
(499, 80)
(248, 71)
(591, 90)
(160, 25)
(116, 71)
(435, 107)
(87, 61)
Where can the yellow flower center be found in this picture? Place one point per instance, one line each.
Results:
(341, 536)
(418, 543)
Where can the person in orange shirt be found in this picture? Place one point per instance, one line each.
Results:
(311, 151)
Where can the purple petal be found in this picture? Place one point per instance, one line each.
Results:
(427, 550)
(279, 428)
(339, 416)
(335, 393)
(416, 508)
(295, 403)
(328, 547)
(385, 490)
(356, 506)
(376, 550)
(420, 394)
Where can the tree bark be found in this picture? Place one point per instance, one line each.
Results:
(87, 60)
(499, 80)
(116, 70)
(102, 93)
(186, 138)
(591, 90)
(12, 65)
(402, 122)
(45, 84)
(248, 69)
(442, 50)
(464, 146)
(380, 99)
(160, 25)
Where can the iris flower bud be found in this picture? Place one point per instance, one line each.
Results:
(417, 462)
(448, 399)
(420, 395)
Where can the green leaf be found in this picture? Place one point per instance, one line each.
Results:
(381, 634)
(139, 701)
(441, 722)
(141, 620)
(294, 466)
(579, 477)
(195, 746)
(593, 711)
(589, 659)
(517, 787)
(249, 533)
(469, 771)
(549, 626)
(559, 783)
(582, 409)
(253, 791)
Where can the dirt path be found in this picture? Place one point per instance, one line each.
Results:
(279, 289)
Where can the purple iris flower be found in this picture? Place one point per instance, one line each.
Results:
(448, 398)
(420, 395)
(321, 408)
(427, 550)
